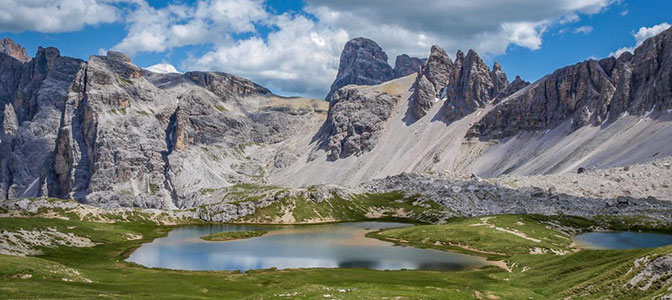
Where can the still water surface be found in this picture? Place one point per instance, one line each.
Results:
(623, 240)
(341, 245)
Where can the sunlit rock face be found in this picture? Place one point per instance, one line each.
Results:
(7, 46)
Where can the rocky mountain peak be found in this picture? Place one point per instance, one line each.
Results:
(496, 67)
(459, 56)
(432, 77)
(499, 80)
(465, 84)
(101, 67)
(438, 67)
(46, 56)
(225, 85)
(406, 65)
(473, 60)
(118, 56)
(472, 87)
(362, 62)
(9, 47)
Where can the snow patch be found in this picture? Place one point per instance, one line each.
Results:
(605, 119)
(26, 192)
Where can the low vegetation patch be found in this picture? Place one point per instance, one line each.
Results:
(502, 235)
(232, 235)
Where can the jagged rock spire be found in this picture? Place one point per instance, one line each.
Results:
(499, 80)
(464, 84)
(432, 77)
(362, 62)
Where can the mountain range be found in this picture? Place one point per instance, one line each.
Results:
(108, 133)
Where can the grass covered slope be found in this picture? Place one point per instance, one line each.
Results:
(232, 235)
(501, 235)
(541, 258)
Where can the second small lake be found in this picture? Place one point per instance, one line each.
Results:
(623, 240)
(341, 245)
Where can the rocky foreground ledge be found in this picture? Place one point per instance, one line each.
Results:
(476, 197)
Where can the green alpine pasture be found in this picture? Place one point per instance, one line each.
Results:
(233, 235)
(557, 271)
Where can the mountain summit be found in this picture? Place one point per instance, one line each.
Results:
(363, 62)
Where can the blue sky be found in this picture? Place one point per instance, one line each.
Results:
(292, 47)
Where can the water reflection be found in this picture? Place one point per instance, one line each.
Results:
(341, 245)
(369, 264)
(622, 240)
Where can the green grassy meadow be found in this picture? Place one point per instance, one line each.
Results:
(100, 272)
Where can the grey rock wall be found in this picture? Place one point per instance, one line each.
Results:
(362, 62)
(589, 93)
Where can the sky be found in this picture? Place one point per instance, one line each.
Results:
(293, 47)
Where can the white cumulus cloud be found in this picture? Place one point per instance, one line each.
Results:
(646, 32)
(640, 36)
(486, 26)
(584, 29)
(298, 52)
(157, 30)
(55, 15)
(300, 57)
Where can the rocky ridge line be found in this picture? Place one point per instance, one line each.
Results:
(592, 92)
(464, 85)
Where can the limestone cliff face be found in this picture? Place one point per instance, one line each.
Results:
(357, 114)
(108, 133)
(589, 93)
(356, 117)
(432, 78)
(471, 87)
(31, 107)
(362, 62)
(7, 46)
(226, 86)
